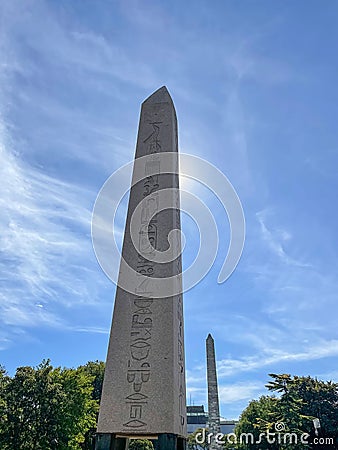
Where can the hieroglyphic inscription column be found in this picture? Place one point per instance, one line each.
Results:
(144, 382)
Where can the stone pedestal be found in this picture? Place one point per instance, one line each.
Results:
(110, 442)
(163, 442)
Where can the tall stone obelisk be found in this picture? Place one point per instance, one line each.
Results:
(144, 391)
(213, 401)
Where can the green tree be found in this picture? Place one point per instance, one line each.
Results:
(48, 409)
(140, 444)
(192, 442)
(254, 420)
(301, 399)
(304, 399)
(94, 369)
(78, 409)
(4, 379)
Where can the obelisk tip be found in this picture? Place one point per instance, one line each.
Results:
(160, 96)
(210, 337)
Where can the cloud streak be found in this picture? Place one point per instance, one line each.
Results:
(45, 237)
(273, 358)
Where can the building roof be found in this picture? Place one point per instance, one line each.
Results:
(198, 409)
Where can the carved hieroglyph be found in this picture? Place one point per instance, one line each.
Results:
(144, 382)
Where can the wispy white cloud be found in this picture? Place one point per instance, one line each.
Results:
(47, 262)
(233, 393)
(275, 240)
(68, 47)
(323, 164)
(260, 69)
(45, 239)
(297, 291)
(329, 375)
(236, 392)
(88, 329)
(236, 385)
(275, 357)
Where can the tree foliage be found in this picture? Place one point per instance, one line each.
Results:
(255, 419)
(46, 408)
(194, 444)
(300, 401)
(140, 444)
(95, 370)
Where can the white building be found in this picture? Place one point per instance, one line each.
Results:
(198, 418)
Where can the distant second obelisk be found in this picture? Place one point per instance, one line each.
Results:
(213, 401)
(144, 382)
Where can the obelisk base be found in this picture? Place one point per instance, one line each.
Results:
(165, 441)
(107, 441)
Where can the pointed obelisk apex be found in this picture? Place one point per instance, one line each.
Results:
(213, 401)
(160, 96)
(144, 391)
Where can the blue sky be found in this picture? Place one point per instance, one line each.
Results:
(254, 85)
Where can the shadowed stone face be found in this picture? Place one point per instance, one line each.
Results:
(144, 384)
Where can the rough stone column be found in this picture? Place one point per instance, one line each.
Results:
(213, 402)
(144, 382)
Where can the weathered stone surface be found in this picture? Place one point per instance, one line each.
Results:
(144, 382)
(213, 402)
